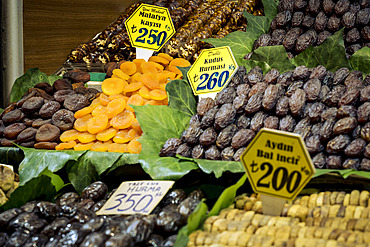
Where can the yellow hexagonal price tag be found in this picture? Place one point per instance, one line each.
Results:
(212, 70)
(150, 27)
(278, 163)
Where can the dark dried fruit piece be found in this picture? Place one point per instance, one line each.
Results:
(243, 122)
(242, 89)
(333, 97)
(270, 97)
(312, 89)
(263, 40)
(314, 6)
(61, 95)
(365, 132)
(351, 163)
(27, 135)
(169, 147)
(333, 23)
(197, 152)
(225, 116)
(287, 123)
(204, 105)
(299, 4)
(297, 101)
(278, 35)
(283, 18)
(304, 41)
(13, 130)
(62, 84)
(330, 113)
(308, 21)
(301, 73)
(334, 162)
(338, 144)
(184, 150)
(364, 165)
(313, 144)
(328, 6)
(39, 122)
(77, 76)
(49, 108)
(291, 38)
(350, 97)
(259, 87)
(349, 19)
(363, 17)
(271, 122)
(212, 153)
(63, 119)
(225, 136)
(208, 137)
(257, 121)
(321, 37)
(47, 133)
(192, 133)
(255, 75)
(32, 105)
(363, 112)
(238, 153)
(227, 95)
(209, 118)
(347, 111)
(254, 103)
(46, 87)
(345, 125)
(95, 191)
(319, 161)
(353, 36)
(240, 103)
(45, 145)
(242, 138)
(342, 6)
(327, 129)
(282, 106)
(76, 102)
(7, 143)
(364, 94)
(315, 111)
(320, 22)
(355, 148)
(13, 116)
(227, 154)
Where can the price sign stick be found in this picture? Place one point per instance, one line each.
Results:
(143, 53)
(272, 205)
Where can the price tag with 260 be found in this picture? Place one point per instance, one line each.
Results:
(136, 197)
(150, 27)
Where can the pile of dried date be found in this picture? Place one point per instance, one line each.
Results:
(301, 23)
(330, 111)
(38, 119)
(72, 221)
(9, 181)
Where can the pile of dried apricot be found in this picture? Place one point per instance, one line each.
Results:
(109, 123)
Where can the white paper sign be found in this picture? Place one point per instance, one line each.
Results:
(143, 53)
(136, 197)
(10, 167)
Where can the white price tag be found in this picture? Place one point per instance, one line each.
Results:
(10, 167)
(136, 197)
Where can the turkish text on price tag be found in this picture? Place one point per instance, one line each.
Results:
(212, 70)
(278, 163)
(150, 27)
(136, 197)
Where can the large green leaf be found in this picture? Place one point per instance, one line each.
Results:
(125, 159)
(89, 167)
(11, 156)
(40, 188)
(27, 81)
(240, 43)
(56, 180)
(1, 110)
(159, 123)
(268, 57)
(195, 221)
(270, 8)
(257, 25)
(35, 161)
(331, 54)
(360, 60)
(184, 72)
(181, 97)
(227, 197)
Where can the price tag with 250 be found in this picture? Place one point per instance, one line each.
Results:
(136, 197)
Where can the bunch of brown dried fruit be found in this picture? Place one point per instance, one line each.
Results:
(44, 111)
(9, 181)
(331, 111)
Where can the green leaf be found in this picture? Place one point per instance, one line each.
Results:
(159, 123)
(181, 97)
(268, 57)
(36, 160)
(360, 60)
(270, 8)
(40, 188)
(363, 174)
(184, 71)
(56, 180)
(331, 54)
(125, 159)
(27, 81)
(1, 110)
(11, 156)
(240, 43)
(257, 25)
(227, 197)
(195, 221)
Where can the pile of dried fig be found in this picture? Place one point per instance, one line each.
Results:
(9, 181)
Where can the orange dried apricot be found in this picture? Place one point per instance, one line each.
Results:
(81, 123)
(165, 75)
(149, 67)
(95, 102)
(115, 107)
(162, 61)
(153, 102)
(158, 94)
(134, 147)
(180, 62)
(99, 146)
(138, 63)
(133, 86)
(150, 80)
(162, 86)
(136, 126)
(135, 99)
(99, 110)
(121, 74)
(144, 92)
(121, 136)
(128, 68)
(65, 145)
(85, 137)
(174, 69)
(115, 96)
(97, 124)
(69, 135)
(166, 56)
(157, 65)
(113, 86)
(136, 77)
(83, 111)
(106, 135)
(117, 147)
(83, 146)
(133, 134)
(122, 120)
(104, 99)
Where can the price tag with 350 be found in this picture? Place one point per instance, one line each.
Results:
(136, 197)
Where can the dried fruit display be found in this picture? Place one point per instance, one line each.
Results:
(325, 219)
(109, 123)
(38, 118)
(9, 181)
(325, 108)
(72, 221)
(193, 20)
(300, 24)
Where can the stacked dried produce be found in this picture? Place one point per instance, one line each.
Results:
(9, 181)
(71, 221)
(109, 123)
(329, 110)
(45, 111)
(324, 219)
(301, 23)
(193, 20)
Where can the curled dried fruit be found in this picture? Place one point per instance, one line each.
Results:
(63, 119)
(345, 125)
(242, 138)
(170, 147)
(47, 133)
(49, 108)
(12, 131)
(32, 105)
